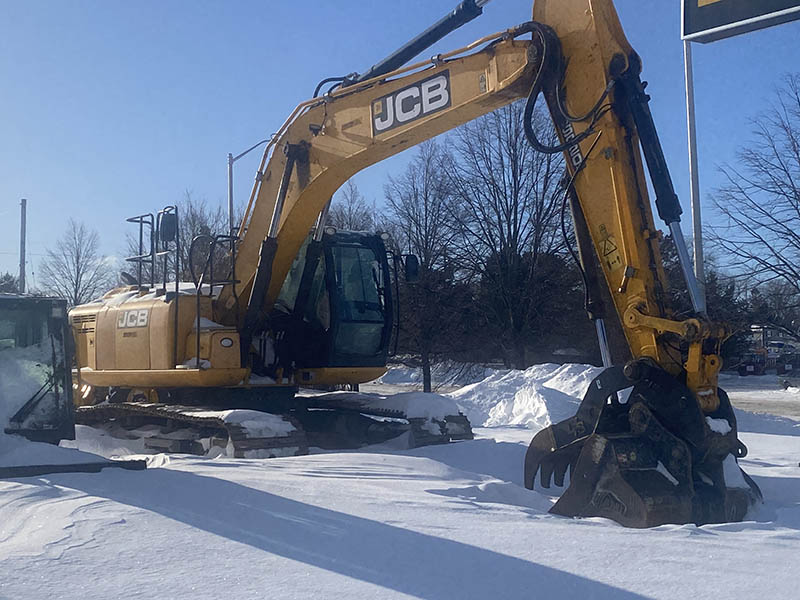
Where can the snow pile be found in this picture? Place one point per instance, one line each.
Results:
(733, 474)
(443, 373)
(16, 451)
(256, 423)
(113, 441)
(572, 379)
(533, 406)
(418, 405)
(721, 426)
(121, 295)
(438, 522)
(536, 397)
(414, 405)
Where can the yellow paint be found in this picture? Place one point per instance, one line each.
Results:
(164, 378)
(337, 154)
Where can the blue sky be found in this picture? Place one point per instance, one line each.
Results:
(111, 108)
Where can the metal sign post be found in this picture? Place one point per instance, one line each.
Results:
(694, 175)
(707, 21)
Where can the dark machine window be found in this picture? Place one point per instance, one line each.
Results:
(359, 280)
(288, 294)
(318, 309)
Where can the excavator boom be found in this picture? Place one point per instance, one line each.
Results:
(329, 139)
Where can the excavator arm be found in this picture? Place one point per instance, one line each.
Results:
(602, 65)
(581, 61)
(654, 441)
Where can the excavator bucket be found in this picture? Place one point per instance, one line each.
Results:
(650, 459)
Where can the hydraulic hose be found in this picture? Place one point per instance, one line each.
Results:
(548, 80)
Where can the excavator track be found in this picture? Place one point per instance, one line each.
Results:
(423, 430)
(196, 430)
(333, 421)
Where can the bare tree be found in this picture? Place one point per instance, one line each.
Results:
(75, 269)
(506, 209)
(759, 234)
(196, 218)
(418, 202)
(350, 211)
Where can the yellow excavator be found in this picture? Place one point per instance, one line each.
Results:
(654, 440)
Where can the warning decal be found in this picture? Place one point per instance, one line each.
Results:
(608, 249)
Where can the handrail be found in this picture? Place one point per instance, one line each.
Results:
(141, 258)
(173, 209)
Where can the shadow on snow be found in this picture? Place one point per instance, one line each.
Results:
(410, 562)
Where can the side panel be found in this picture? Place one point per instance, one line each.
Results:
(105, 334)
(132, 334)
(162, 335)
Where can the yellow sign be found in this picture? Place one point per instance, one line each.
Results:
(706, 2)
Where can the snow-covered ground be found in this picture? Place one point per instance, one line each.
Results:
(437, 522)
(764, 393)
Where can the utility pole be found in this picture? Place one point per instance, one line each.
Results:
(231, 224)
(22, 230)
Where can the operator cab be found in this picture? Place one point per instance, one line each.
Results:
(335, 307)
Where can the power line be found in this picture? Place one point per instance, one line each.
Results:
(27, 253)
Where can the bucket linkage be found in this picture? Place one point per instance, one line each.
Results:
(650, 460)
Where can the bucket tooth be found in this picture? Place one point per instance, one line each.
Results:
(550, 459)
(557, 447)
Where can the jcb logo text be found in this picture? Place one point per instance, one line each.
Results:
(418, 100)
(133, 318)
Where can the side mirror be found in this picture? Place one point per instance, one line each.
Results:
(411, 268)
(167, 226)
